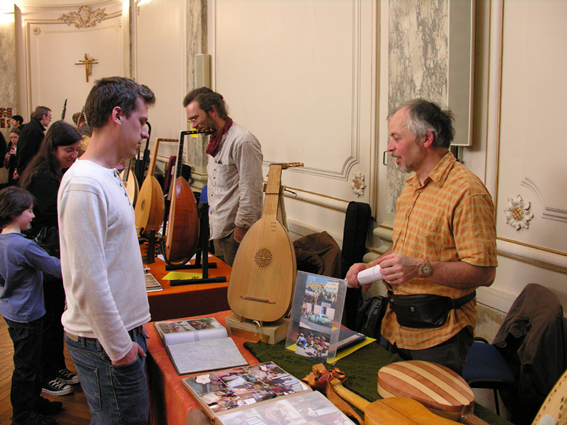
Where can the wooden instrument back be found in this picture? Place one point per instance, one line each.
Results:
(150, 205)
(263, 275)
(182, 231)
(396, 410)
(131, 183)
(437, 387)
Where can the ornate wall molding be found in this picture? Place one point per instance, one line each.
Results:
(548, 212)
(84, 18)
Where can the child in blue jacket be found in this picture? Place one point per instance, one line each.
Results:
(22, 264)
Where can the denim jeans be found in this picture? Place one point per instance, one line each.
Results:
(52, 355)
(26, 383)
(116, 395)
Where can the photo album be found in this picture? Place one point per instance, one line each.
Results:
(315, 327)
(199, 345)
(261, 394)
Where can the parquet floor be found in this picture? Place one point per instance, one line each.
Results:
(75, 409)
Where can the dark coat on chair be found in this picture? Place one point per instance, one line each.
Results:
(531, 339)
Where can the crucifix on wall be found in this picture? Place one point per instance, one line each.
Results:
(87, 63)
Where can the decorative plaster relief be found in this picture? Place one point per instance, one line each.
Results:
(358, 184)
(36, 31)
(84, 18)
(549, 213)
(518, 213)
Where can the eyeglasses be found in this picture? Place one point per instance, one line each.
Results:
(194, 118)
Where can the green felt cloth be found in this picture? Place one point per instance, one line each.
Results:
(361, 369)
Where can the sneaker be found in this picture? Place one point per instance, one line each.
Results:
(56, 387)
(68, 377)
(36, 419)
(48, 407)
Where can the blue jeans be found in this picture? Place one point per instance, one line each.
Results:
(116, 395)
(26, 383)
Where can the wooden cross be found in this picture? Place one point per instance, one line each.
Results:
(87, 62)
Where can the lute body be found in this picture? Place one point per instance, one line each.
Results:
(263, 275)
(182, 231)
(150, 205)
(130, 183)
(397, 410)
(437, 387)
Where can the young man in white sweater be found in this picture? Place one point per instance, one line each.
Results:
(107, 304)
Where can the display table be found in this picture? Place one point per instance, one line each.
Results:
(188, 300)
(171, 401)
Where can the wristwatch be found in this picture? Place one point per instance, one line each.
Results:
(426, 269)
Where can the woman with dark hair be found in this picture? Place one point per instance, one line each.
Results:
(42, 178)
(10, 157)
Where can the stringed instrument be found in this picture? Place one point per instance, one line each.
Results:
(262, 281)
(130, 183)
(396, 410)
(437, 387)
(182, 231)
(150, 205)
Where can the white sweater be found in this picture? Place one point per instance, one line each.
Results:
(100, 258)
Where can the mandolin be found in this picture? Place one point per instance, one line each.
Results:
(182, 231)
(263, 275)
(437, 387)
(150, 205)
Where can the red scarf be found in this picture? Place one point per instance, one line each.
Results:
(214, 142)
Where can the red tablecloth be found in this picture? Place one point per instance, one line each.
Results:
(170, 400)
(188, 300)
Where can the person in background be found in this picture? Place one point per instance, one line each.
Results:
(234, 171)
(444, 242)
(107, 302)
(17, 121)
(31, 138)
(22, 267)
(10, 157)
(42, 178)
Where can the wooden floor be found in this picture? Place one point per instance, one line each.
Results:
(75, 409)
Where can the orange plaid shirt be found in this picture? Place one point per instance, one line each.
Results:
(449, 218)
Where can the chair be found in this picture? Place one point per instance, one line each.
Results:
(530, 344)
(486, 368)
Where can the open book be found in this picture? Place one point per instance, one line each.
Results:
(258, 394)
(198, 345)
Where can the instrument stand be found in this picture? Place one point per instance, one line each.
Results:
(202, 254)
(269, 332)
(151, 250)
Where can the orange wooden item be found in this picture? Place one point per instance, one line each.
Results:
(150, 205)
(263, 275)
(182, 231)
(437, 387)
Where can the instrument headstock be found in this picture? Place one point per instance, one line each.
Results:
(289, 165)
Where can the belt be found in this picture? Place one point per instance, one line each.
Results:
(134, 333)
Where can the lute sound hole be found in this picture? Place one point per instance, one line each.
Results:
(263, 257)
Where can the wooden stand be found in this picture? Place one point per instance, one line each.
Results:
(270, 332)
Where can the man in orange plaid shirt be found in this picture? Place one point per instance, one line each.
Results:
(444, 242)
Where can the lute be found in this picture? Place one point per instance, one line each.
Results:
(182, 230)
(150, 205)
(437, 387)
(262, 280)
(130, 183)
(397, 410)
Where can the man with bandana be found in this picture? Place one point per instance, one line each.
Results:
(234, 171)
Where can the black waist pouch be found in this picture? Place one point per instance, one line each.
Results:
(423, 311)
